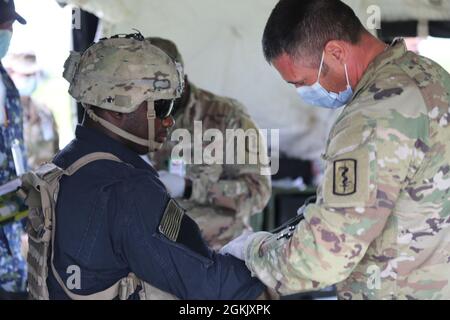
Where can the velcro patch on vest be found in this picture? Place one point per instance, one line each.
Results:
(171, 221)
(345, 177)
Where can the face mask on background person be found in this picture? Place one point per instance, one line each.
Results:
(317, 95)
(5, 40)
(25, 84)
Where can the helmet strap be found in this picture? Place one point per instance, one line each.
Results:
(120, 132)
(151, 117)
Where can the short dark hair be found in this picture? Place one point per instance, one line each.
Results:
(307, 26)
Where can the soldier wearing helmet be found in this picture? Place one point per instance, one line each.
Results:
(114, 218)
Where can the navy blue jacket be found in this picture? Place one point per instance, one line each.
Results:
(107, 220)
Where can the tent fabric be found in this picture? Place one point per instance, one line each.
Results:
(113, 11)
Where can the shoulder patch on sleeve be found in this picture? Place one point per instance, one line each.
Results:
(182, 231)
(350, 173)
(171, 221)
(345, 177)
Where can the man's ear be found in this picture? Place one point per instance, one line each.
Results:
(337, 51)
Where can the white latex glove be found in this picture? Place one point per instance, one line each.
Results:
(175, 184)
(238, 246)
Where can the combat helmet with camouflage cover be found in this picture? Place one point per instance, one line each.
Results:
(119, 74)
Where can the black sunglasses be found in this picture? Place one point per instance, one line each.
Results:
(163, 108)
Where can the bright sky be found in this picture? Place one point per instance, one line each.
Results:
(47, 32)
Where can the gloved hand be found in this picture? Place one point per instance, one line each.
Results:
(175, 184)
(238, 246)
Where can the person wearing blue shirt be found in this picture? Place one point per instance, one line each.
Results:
(114, 218)
(13, 270)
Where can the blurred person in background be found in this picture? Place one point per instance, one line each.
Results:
(13, 270)
(40, 129)
(221, 198)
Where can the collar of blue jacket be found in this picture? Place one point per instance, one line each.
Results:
(99, 142)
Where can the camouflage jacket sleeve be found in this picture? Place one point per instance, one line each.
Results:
(246, 194)
(367, 164)
(241, 188)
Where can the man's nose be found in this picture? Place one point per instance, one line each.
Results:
(168, 122)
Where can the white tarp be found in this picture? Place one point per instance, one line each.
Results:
(221, 45)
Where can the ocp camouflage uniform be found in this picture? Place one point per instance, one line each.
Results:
(380, 227)
(223, 196)
(12, 264)
(40, 134)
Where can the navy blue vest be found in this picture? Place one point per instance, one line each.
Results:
(108, 216)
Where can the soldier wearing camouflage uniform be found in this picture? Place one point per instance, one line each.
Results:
(220, 198)
(115, 220)
(40, 130)
(12, 264)
(380, 226)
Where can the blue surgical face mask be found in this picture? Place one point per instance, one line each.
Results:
(5, 40)
(25, 85)
(317, 95)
